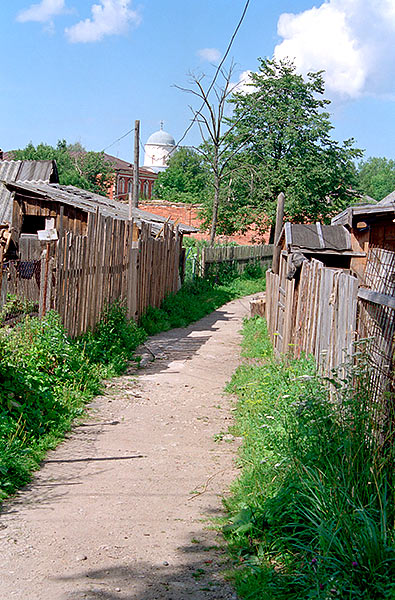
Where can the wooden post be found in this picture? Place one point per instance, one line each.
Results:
(44, 281)
(277, 231)
(130, 202)
(1, 270)
(136, 182)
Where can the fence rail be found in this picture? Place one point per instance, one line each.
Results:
(238, 255)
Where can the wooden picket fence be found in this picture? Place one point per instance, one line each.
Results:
(318, 318)
(238, 255)
(80, 275)
(106, 265)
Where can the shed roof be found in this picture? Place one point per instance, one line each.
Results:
(89, 202)
(315, 238)
(388, 199)
(22, 170)
(381, 209)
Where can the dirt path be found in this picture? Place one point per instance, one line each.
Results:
(120, 509)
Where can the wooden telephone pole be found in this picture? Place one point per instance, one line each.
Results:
(133, 196)
(136, 182)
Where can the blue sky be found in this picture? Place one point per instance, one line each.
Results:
(84, 70)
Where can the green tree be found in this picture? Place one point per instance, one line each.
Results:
(285, 130)
(91, 171)
(186, 178)
(376, 177)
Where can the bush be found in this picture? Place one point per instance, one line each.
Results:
(44, 381)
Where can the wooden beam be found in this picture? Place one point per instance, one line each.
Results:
(376, 297)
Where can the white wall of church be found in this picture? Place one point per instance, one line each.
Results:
(157, 155)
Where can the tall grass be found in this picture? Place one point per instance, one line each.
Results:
(312, 514)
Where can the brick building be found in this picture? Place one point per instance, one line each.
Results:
(123, 180)
(188, 214)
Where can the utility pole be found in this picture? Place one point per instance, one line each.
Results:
(136, 182)
(277, 231)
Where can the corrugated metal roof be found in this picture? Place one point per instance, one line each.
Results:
(88, 202)
(314, 236)
(8, 172)
(39, 171)
(22, 170)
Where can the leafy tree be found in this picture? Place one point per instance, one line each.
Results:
(87, 170)
(285, 130)
(185, 179)
(376, 177)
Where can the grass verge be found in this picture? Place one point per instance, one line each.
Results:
(46, 378)
(312, 513)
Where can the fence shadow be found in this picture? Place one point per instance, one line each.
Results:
(197, 573)
(166, 349)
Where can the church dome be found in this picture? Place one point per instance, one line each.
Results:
(161, 138)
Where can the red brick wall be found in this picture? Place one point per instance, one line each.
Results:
(188, 214)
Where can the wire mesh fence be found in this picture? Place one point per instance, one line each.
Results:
(376, 324)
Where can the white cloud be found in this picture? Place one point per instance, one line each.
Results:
(209, 54)
(243, 86)
(352, 40)
(110, 17)
(42, 12)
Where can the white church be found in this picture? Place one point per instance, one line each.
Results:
(158, 149)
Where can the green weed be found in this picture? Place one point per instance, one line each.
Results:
(113, 341)
(15, 306)
(311, 515)
(197, 299)
(46, 379)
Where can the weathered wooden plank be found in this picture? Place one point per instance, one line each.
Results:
(377, 297)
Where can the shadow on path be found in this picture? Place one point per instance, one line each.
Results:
(181, 344)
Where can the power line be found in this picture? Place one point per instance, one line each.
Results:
(209, 89)
(217, 71)
(118, 140)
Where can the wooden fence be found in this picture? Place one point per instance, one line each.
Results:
(329, 310)
(238, 255)
(318, 318)
(82, 274)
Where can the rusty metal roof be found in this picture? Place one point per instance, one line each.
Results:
(22, 170)
(89, 202)
(315, 237)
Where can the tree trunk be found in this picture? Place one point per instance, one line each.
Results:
(215, 211)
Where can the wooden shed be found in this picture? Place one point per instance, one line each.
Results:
(34, 171)
(329, 244)
(370, 226)
(38, 206)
